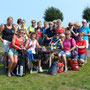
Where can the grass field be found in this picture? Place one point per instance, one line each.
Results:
(71, 80)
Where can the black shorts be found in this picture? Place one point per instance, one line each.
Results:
(37, 56)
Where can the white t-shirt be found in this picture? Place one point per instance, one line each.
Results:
(34, 46)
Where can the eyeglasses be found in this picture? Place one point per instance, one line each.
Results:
(61, 37)
(70, 25)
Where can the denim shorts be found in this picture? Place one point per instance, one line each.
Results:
(83, 56)
(67, 54)
(12, 51)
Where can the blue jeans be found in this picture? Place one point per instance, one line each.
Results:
(67, 54)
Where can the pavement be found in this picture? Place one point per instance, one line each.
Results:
(88, 51)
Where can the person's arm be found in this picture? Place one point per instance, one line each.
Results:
(72, 48)
(48, 37)
(26, 44)
(63, 29)
(1, 28)
(1, 39)
(38, 45)
(83, 46)
(15, 28)
(87, 34)
(27, 32)
(13, 42)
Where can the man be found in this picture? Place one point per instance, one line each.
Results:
(50, 32)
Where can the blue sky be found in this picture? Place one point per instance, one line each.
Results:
(34, 9)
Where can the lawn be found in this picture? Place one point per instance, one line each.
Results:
(71, 80)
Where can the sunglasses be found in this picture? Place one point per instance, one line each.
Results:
(61, 37)
(67, 34)
(80, 35)
(50, 24)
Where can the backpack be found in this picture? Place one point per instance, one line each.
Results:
(61, 67)
(74, 53)
(57, 67)
(74, 64)
(54, 68)
(21, 66)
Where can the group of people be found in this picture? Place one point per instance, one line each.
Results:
(19, 37)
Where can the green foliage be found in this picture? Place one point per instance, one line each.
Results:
(52, 14)
(86, 14)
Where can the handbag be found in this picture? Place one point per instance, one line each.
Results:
(74, 52)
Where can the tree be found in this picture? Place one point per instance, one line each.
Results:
(86, 14)
(52, 14)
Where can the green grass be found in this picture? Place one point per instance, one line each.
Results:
(71, 80)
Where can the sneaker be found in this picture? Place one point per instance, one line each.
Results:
(9, 75)
(40, 69)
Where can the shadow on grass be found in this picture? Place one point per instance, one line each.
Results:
(2, 70)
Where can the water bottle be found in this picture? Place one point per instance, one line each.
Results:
(17, 71)
(51, 46)
(21, 70)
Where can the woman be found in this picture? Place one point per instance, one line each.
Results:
(67, 48)
(39, 32)
(32, 27)
(82, 52)
(17, 43)
(59, 28)
(76, 30)
(45, 27)
(55, 24)
(7, 31)
(19, 21)
(24, 28)
(30, 45)
(70, 26)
